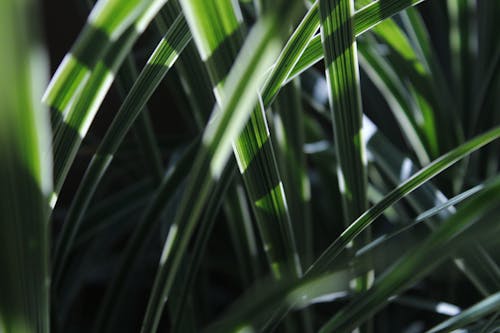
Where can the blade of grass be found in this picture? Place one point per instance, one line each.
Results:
(75, 123)
(479, 269)
(106, 23)
(252, 310)
(289, 134)
(342, 74)
(218, 44)
(25, 172)
(185, 282)
(259, 51)
(417, 263)
(462, 54)
(390, 84)
(446, 106)
(141, 234)
(364, 19)
(398, 193)
(243, 234)
(472, 314)
(162, 58)
(143, 129)
(114, 209)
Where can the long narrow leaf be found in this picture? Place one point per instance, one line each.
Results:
(253, 149)
(25, 172)
(105, 24)
(475, 312)
(258, 52)
(342, 73)
(364, 19)
(73, 126)
(164, 57)
(419, 262)
(395, 195)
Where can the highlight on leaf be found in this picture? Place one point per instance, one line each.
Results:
(248, 166)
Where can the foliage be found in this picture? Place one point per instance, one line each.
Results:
(289, 166)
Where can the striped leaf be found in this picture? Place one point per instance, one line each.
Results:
(342, 74)
(106, 23)
(218, 44)
(364, 19)
(259, 51)
(162, 58)
(395, 195)
(478, 267)
(418, 262)
(71, 127)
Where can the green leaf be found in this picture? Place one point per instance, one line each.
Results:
(71, 127)
(251, 312)
(342, 74)
(384, 75)
(258, 53)
(106, 23)
(364, 19)
(289, 133)
(218, 44)
(148, 223)
(418, 262)
(478, 268)
(399, 192)
(25, 172)
(472, 314)
(158, 65)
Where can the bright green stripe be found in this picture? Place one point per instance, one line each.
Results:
(218, 35)
(272, 200)
(84, 109)
(114, 16)
(223, 11)
(259, 51)
(65, 83)
(252, 139)
(106, 23)
(345, 100)
(158, 65)
(364, 19)
(91, 45)
(292, 51)
(255, 135)
(398, 193)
